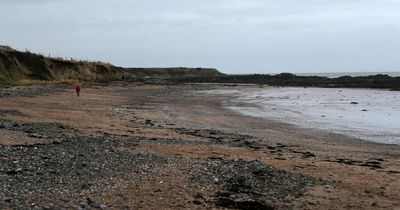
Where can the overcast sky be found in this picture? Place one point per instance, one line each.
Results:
(235, 36)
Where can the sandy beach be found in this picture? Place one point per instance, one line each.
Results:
(138, 146)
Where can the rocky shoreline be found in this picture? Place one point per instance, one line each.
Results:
(288, 79)
(73, 168)
(152, 153)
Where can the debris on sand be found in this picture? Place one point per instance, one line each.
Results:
(245, 184)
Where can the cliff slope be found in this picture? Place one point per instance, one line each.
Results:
(18, 67)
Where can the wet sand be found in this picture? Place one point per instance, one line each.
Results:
(367, 114)
(190, 129)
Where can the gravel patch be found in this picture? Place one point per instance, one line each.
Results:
(75, 167)
(13, 112)
(72, 167)
(241, 184)
(31, 91)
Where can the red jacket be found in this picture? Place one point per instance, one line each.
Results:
(78, 88)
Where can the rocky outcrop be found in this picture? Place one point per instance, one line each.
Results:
(287, 79)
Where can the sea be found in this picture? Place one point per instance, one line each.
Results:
(366, 114)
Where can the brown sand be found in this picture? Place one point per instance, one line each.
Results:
(123, 110)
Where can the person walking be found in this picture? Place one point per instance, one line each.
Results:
(78, 89)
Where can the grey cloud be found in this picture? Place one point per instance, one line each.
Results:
(233, 35)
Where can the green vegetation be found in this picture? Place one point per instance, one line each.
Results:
(170, 73)
(24, 68)
(29, 68)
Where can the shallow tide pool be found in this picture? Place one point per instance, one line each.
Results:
(367, 114)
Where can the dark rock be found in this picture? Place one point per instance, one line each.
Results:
(215, 158)
(199, 196)
(287, 79)
(85, 186)
(11, 112)
(148, 122)
(250, 184)
(61, 126)
(84, 205)
(90, 201)
(14, 171)
(373, 164)
(198, 201)
(8, 199)
(393, 172)
(244, 205)
(57, 141)
(308, 155)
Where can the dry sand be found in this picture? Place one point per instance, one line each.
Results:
(366, 174)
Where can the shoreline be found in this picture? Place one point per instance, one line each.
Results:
(331, 110)
(378, 81)
(183, 144)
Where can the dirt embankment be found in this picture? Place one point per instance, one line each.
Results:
(125, 146)
(169, 73)
(25, 67)
(19, 67)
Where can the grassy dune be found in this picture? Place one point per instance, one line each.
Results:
(24, 68)
(21, 68)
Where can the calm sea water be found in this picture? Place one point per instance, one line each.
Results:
(353, 74)
(367, 114)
